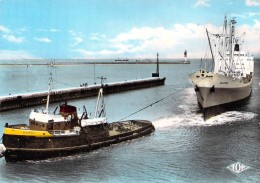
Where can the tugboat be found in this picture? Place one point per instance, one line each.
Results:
(63, 134)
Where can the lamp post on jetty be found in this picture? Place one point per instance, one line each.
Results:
(157, 67)
(102, 79)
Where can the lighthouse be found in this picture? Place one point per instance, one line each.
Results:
(185, 56)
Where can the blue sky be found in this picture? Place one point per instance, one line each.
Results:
(86, 29)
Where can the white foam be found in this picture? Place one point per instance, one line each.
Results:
(189, 115)
(193, 119)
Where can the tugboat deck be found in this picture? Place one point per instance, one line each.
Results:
(119, 128)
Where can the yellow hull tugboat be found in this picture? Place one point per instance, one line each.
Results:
(63, 134)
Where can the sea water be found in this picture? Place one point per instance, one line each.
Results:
(183, 148)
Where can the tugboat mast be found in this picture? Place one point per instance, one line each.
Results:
(100, 107)
(49, 92)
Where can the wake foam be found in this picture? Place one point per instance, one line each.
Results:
(193, 119)
(189, 115)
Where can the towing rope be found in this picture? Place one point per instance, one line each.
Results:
(156, 102)
(160, 100)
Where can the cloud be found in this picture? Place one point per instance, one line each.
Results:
(48, 30)
(251, 44)
(252, 2)
(4, 29)
(202, 3)
(54, 30)
(145, 42)
(241, 15)
(23, 29)
(257, 25)
(77, 38)
(250, 14)
(8, 35)
(143, 33)
(97, 37)
(245, 14)
(13, 55)
(12, 38)
(104, 52)
(160, 39)
(43, 39)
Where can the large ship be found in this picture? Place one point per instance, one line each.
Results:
(66, 133)
(229, 83)
(121, 59)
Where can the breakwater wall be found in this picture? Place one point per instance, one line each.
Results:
(91, 63)
(39, 98)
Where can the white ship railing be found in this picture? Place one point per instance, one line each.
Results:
(74, 131)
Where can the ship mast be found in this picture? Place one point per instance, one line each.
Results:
(225, 25)
(232, 34)
(210, 48)
(224, 49)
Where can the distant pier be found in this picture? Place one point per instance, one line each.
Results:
(92, 63)
(39, 98)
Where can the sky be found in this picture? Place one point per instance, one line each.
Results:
(97, 29)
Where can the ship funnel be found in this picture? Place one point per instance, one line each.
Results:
(236, 47)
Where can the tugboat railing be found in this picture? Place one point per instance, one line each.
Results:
(74, 131)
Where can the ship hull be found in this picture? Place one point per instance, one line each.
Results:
(21, 148)
(218, 109)
(218, 93)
